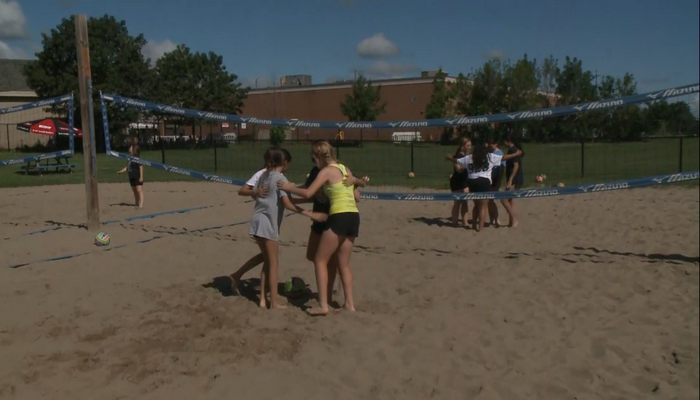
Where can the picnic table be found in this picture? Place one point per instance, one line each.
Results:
(60, 163)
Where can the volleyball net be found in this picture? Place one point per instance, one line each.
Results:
(41, 130)
(215, 147)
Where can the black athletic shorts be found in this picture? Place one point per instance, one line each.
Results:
(458, 182)
(135, 182)
(318, 227)
(344, 224)
(479, 185)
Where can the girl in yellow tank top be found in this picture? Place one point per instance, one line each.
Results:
(341, 196)
(342, 225)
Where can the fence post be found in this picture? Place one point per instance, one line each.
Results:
(412, 140)
(162, 150)
(7, 128)
(216, 160)
(583, 157)
(680, 156)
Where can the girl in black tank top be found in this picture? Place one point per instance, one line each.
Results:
(459, 182)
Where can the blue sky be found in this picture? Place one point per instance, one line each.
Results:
(329, 39)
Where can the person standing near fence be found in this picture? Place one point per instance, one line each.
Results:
(459, 182)
(496, 178)
(135, 172)
(515, 176)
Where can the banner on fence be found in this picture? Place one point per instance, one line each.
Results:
(443, 122)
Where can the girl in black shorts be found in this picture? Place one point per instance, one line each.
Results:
(496, 179)
(459, 183)
(514, 176)
(321, 204)
(135, 172)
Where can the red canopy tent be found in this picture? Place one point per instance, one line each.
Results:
(49, 127)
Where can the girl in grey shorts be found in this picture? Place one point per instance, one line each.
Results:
(267, 219)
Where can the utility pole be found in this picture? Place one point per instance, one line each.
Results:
(89, 157)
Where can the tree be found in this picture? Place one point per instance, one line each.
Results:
(547, 74)
(438, 105)
(488, 90)
(116, 63)
(198, 81)
(277, 135)
(364, 103)
(520, 85)
(575, 85)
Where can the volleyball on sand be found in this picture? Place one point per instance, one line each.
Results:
(294, 287)
(102, 239)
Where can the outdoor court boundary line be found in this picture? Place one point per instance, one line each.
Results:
(160, 236)
(115, 221)
(74, 255)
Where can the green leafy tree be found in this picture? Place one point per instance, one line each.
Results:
(116, 64)
(488, 90)
(438, 105)
(198, 81)
(277, 135)
(481, 93)
(547, 74)
(364, 103)
(575, 85)
(521, 84)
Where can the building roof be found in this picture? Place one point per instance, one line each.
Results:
(12, 77)
(346, 84)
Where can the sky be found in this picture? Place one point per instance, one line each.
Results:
(261, 40)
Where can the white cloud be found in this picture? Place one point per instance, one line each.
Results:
(384, 69)
(12, 53)
(377, 46)
(13, 25)
(494, 54)
(155, 50)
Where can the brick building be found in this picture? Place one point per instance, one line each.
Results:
(405, 99)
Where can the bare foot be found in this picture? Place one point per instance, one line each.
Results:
(235, 283)
(514, 224)
(278, 307)
(315, 312)
(349, 308)
(262, 304)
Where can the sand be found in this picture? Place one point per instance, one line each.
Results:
(594, 297)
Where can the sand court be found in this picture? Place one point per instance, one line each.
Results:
(593, 296)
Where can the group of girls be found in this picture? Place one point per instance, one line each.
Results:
(332, 188)
(480, 168)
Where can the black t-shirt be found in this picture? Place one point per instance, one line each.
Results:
(459, 174)
(510, 164)
(321, 203)
(133, 170)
